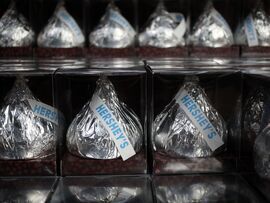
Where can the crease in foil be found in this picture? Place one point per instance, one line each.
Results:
(62, 31)
(174, 132)
(164, 29)
(104, 194)
(15, 30)
(255, 29)
(262, 153)
(23, 135)
(254, 115)
(191, 192)
(211, 29)
(87, 137)
(113, 30)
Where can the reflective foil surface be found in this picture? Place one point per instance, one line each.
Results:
(211, 29)
(22, 134)
(175, 134)
(262, 153)
(62, 31)
(191, 192)
(261, 23)
(87, 137)
(113, 30)
(15, 31)
(164, 29)
(104, 194)
(253, 114)
(205, 189)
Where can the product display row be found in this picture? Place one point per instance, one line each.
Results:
(164, 118)
(164, 32)
(128, 189)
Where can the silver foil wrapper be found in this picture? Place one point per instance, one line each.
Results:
(15, 30)
(104, 194)
(197, 189)
(87, 137)
(262, 153)
(253, 113)
(62, 31)
(23, 135)
(164, 29)
(176, 135)
(113, 30)
(187, 192)
(211, 29)
(29, 196)
(260, 22)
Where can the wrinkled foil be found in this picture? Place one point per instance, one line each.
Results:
(191, 192)
(206, 190)
(261, 22)
(104, 194)
(15, 30)
(163, 29)
(23, 135)
(211, 29)
(262, 153)
(253, 114)
(113, 30)
(87, 137)
(59, 33)
(174, 133)
(29, 196)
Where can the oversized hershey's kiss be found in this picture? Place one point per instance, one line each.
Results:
(211, 29)
(255, 114)
(197, 191)
(104, 194)
(91, 132)
(62, 31)
(113, 30)
(203, 189)
(15, 30)
(262, 153)
(23, 135)
(189, 126)
(255, 29)
(164, 29)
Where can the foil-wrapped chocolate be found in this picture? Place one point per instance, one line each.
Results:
(113, 30)
(205, 189)
(211, 29)
(104, 194)
(62, 31)
(15, 30)
(189, 126)
(29, 196)
(255, 29)
(187, 192)
(23, 135)
(164, 29)
(262, 153)
(87, 135)
(254, 117)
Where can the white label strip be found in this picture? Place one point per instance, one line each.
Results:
(64, 16)
(180, 30)
(199, 119)
(250, 31)
(114, 128)
(219, 18)
(45, 111)
(119, 19)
